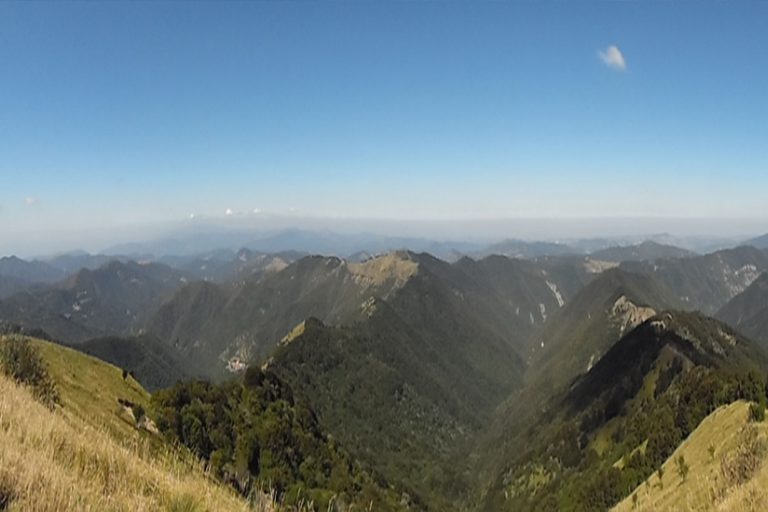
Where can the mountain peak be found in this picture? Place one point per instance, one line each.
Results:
(396, 266)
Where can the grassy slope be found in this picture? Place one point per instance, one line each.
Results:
(720, 430)
(87, 455)
(90, 388)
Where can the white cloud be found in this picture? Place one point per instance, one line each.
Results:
(192, 215)
(228, 212)
(30, 201)
(613, 58)
(256, 211)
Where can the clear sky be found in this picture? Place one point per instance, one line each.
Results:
(129, 113)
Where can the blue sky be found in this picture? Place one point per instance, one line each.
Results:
(131, 113)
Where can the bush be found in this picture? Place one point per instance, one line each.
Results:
(20, 361)
(745, 460)
(756, 411)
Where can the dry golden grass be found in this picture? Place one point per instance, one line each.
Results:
(50, 463)
(716, 440)
(89, 455)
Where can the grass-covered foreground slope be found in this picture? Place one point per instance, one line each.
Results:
(87, 454)
(726, 470)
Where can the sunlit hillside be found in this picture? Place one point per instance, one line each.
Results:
(726, 470)
(88, 454)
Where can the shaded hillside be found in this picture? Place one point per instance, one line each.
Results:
(114, 299)
(30, 271)
(152, 363)
(225, 266)
(73, 262)
(249, 320)
(577, 337)
(568, 345)
(89, 453)
(11, 285)
(748, 311)
(624, 417)
(423, 370)
(211, 324)
(644, 251)
(398, 399)
(707, 282)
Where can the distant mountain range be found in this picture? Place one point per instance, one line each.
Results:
(113, 299)
(760, 242)
(520, 376)
(644, 251)
(709, 281)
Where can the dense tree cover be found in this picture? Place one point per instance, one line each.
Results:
(645, 432)
(255, 434)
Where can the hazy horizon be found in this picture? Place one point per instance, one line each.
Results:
(123, 121)
(478, 231)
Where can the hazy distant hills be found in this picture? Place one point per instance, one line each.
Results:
(113, 299)
(748, 311)
(523, 249)
(226, 265)
(760, 242)
(11, 285)
(307, 241)
(30, 271)
(644, 251)
(72, 262)
(707, 282)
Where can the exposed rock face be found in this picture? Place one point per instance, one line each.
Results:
(598, 266)
(629, 315)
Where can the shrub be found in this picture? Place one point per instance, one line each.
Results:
(746, 459)
(7, 493)
(682, 467)
(138, 413)
(20, 361)
(756, 411)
